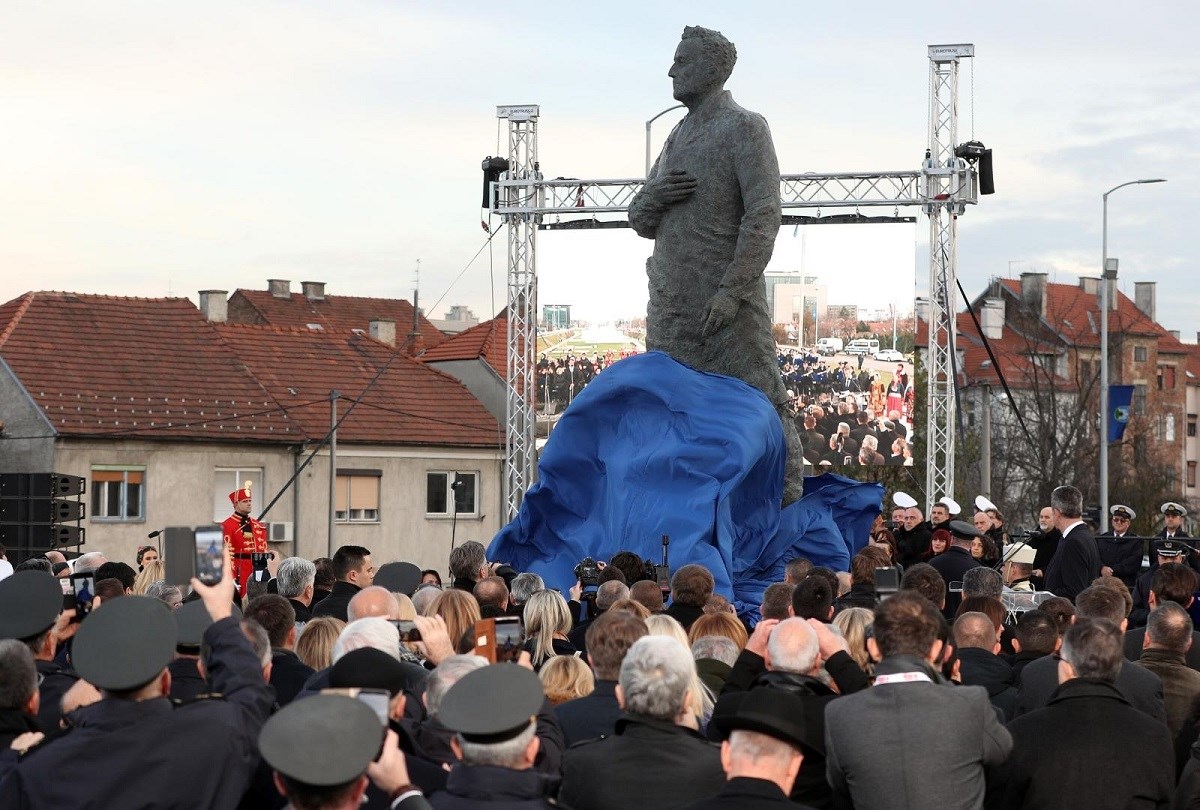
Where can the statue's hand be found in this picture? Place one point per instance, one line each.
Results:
(721, 311)
(671, 188)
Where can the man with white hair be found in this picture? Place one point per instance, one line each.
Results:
(296, 582)
(87, 563)
(655, 758)
(787, 656)
(381, 635)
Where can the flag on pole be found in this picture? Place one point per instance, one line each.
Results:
(1119, 399)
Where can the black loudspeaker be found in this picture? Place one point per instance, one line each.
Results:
(41, 510)
(986, 186)
(493, 167)
(41, 485)
(37, 537)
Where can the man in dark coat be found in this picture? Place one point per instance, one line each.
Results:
(1077, 562)
(913, 539)
(354, 571)
(31, 612)
(1120, 552)
(955, 562)
(1140, 687)
(794, 662)
(691, 586)
(1164, 553)
(296, 581)
(978, 645)
(1167, 583)
(609, 638)
(655, 758)
(493, 710)
(18, 700)
(278, 618)
(1063, 754)
(767, 738)
(1045, 542)
(123, 649)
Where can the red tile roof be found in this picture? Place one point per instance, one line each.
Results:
(487, 341)
(147, 367)
(409, 404)
(335, 313)
(103, 366)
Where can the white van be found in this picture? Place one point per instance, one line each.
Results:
(863, 346)
(829, 346)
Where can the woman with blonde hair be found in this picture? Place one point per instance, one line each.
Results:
(719, 624)
(547, 622)
(153, 571)
(460, 612)
(566, 677)
(630, 606)
(315, 644)
(854, 623)
(702, 698)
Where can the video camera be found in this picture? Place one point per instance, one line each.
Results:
(588, 573)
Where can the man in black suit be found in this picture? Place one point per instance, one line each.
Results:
(609, 637)
(1139, 686)
(1045, 542)
(1077, 562)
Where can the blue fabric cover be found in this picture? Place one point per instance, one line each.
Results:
(653, 447)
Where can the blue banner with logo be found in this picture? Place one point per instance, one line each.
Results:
(1120, 397)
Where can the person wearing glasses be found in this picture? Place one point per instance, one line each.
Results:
(1120, 551)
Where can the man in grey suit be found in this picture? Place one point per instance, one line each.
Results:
(950, 734)
(1138, 685)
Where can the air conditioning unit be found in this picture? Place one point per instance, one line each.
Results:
(281, 532)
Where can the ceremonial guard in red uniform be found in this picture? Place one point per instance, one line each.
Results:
(245, 536)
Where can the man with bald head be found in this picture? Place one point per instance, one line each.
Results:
(1045, 542)
(373, 600)
(912, 538)
(978, 643)
(492, 595)
(788, 655)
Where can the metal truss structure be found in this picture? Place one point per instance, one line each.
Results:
(941, 188)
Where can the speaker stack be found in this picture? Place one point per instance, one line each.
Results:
(41, 512)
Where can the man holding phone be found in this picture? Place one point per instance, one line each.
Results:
(244, 535)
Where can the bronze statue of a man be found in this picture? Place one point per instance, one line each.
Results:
(711, 205)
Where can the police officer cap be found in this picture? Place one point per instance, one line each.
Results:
(769, 711)
(1170, 548)
(964, 530)
(492, 704)
(904, 500)
(191, 620)
(30, 602)
(398, 577)
(1174, 509)
(951, 505)
(124, 643)
(350, 733)
(1121, 510)
(983, 504)
(368, 668)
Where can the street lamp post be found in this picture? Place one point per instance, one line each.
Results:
(1108, 276)
(648, 123)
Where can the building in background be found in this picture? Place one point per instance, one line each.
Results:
(556, 317)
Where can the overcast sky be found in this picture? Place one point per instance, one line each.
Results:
(153, 148)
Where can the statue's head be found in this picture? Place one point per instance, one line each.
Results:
(703, 62)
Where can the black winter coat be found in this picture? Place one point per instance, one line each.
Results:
(337, 602)
(1064, 756)
(471, 786)
(983, 668)
(645, 763)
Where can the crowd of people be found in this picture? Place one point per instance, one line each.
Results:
(337, 683)
(560, 379)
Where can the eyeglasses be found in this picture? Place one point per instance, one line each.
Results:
(1117, 519)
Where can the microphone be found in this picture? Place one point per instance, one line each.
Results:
(154, 534)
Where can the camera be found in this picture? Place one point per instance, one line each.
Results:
(588, 573)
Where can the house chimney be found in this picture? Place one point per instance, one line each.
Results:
(1143, 297)
(1174, 333)
(1033, 292)
(214, 306)
(279, 287)
(383, 330)
(1089, 284)
(992, 318)
(313, 290)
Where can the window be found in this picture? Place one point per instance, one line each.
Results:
(1169, 427)
(1139, 354)
(1191, 425)
(226, 480)
(1139, 399)
(1166, 378)
(439, 484)
(357, 496)
(1191, 474)
(118, 493)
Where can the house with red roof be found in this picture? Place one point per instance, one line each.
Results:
(478, 358)
(1043, 340)
(164, 408)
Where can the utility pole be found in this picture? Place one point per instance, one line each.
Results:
(333, 398)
